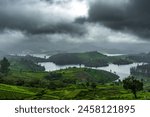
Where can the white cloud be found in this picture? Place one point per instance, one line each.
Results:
(100, 33)
(44, 12)
(96, 33)
(120, 37)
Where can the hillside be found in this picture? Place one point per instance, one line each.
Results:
(60, 78)
(25, 81)
(25, 63)
(142, 57)
(71, 83)
(29, 85)
(83, 75)
(72, 92)
(89, 59)
(142, 72)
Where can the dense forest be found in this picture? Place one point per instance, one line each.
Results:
(25, 63)
(142, 57)
(143, 70)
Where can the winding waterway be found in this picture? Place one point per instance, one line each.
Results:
(122, 71)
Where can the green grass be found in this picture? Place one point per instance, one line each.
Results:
(88, 75)
(14, 92)
(105, 89)
(102, 92)
(36, 75)
(23, 64)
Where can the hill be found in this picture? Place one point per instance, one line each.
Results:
(25, 63)
(32, 85)
(57, 79)
(71, 83)
(83, 75)
(89, 59)
(142, 57)
(72, 92)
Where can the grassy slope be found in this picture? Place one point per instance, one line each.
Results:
(102, 92)
(72, 91)
(86, 74)
(14, 92)
(79, 75)
(25, 63)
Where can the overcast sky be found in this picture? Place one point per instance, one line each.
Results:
(57, 24)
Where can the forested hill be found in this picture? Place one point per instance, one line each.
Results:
(89, 59)
(25, 63)
(142, 57)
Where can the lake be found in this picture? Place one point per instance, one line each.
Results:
(122, 71)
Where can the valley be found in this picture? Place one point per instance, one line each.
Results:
(27, 79)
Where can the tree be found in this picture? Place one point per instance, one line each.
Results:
(93, 85)
(4, 66)
(132, 84)
(87, 84)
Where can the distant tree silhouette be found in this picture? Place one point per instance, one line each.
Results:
(4, 66)
(132, 84)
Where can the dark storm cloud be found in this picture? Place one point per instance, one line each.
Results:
(59, 1)
(131, 15)
(56, 1)
(71, 28)
(36, 17)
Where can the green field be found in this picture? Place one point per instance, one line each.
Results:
(72, 84)
(72, 92)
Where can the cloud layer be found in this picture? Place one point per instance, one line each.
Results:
(44, 23)
(38, 16)
(127, 15)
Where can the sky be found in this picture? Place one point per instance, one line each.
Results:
(75, 25)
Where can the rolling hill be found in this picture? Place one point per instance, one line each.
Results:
(89, 59)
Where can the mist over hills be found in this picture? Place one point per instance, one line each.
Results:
(63, 47)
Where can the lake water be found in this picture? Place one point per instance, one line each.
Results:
(122, 71)
(50, 66)
(113, 54)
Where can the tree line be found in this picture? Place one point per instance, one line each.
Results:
(4, 66)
